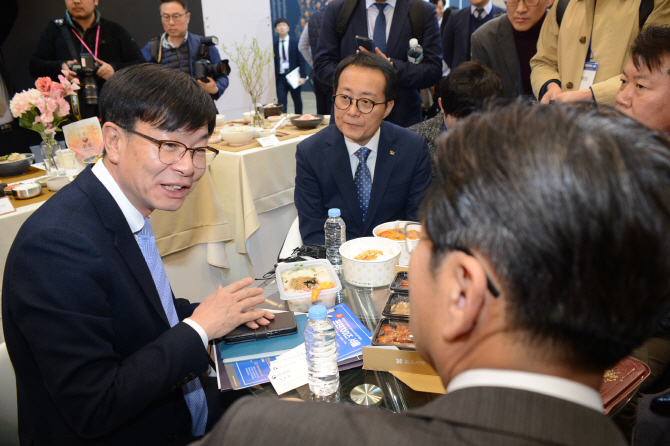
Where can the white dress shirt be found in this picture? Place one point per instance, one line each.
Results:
(135, 221)
(533, 382)
(487, 8)
(169, 44)
(283, 66)
(352, 148)
(373, 12)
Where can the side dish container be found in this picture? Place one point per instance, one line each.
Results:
(300, 302)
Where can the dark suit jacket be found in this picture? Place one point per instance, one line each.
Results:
(493, 45)
(324, 181)
(330, 51)
(456, 35)
(295, 58)
(95, 358)
(487, 416)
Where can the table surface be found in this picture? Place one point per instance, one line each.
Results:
(367, 304)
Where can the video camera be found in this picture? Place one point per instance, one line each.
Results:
(85, 71)
(203, 68)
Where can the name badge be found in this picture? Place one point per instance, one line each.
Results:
(284, 65)
(588, 75)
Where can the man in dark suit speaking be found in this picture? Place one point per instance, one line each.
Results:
(372, 170)
(542, 264)
(103, 352)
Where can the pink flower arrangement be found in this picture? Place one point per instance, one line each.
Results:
(44, 108)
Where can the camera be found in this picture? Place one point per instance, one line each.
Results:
(203, 67)
(86, 73)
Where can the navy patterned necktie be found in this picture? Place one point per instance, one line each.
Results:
(379, 33)
(363, 180)
(480, 13)
(193, 392)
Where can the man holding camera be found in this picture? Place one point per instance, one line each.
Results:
(181, 50)
(84, 31)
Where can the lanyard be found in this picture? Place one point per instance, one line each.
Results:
(97, 39)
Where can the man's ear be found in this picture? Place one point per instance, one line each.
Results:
(439, 102)
(113, 137)
(389, 107)
(465, 280)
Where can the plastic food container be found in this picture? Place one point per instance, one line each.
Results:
(300, 302)
(404, 254)
(395, 306)
(369, 273)
(395, 332)
(621, 382)
(400, 283)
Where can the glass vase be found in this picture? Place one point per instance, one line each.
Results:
(48, 146)
(257, 116)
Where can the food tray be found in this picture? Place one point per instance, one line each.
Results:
(397, 284)
(300, 302)
(395, 298)
(621, 382)
(394, 324)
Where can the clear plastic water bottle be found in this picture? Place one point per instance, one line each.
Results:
(336, 234)
(415, 52)
(321, 349)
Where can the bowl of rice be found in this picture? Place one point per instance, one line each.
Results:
(369, 261)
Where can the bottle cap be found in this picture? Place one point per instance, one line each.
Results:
(413, 43)
(334, 212)
(317, 312)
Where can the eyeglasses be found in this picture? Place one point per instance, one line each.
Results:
(175, 17)
(171, 152)
(525, 2)
(364, 105)
(412, 235)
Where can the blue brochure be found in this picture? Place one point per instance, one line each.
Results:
(352, 335)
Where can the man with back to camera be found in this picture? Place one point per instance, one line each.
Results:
(103, 352)
(178, 49)
(465, 90)
(372, 170)
(391, 33)
(288, 58)
(581, 58)
(507, 285)
(459, 29)
(83, 30)
(507, 43)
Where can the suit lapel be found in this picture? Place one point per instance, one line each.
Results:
(125, 242)
(400, 15)
(383, 170)
(337, 158)
(508, 50)
(359, 23)
(466, 23)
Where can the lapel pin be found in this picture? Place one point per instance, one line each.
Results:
(392, 152)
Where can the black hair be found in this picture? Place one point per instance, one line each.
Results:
(435, 2)
(366, 59)
(650, 47)
(467, 87)
(163, 97)
(281, 20)
(571, 208)
(183, 3)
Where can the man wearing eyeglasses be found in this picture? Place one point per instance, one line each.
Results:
(102, 350)
(507, 43)
(177, 48)
(372, 170)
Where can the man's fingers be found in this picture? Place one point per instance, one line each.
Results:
(236, 286)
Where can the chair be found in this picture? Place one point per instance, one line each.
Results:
(293, 240)
(9, 420)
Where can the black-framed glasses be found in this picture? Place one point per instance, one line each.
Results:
(175, 17)
(525, 2)
(412, 233)
(364, 105)
(171, 152)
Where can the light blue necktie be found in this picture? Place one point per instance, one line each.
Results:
(379, 33)
(363, 180)
(193, 392)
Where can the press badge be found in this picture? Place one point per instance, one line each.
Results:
(588, 75)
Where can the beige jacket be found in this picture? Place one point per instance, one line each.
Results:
(561, 55)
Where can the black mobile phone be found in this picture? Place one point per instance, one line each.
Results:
(366, 43)
(283, 324)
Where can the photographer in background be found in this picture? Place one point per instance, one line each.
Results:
(178, 49)
(84, 31)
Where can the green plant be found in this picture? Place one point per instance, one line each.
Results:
(253, 66)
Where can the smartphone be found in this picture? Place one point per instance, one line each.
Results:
(366, 43)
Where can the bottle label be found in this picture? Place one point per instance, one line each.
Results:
(415, 60)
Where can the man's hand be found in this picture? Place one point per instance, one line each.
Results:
(210, 87)
(105, 71)
(575, 96)
(66, 66)
(301, 81)
(230, 307)
(553, 90)
(378, 52)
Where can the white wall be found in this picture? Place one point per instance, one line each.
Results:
(231, 21)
